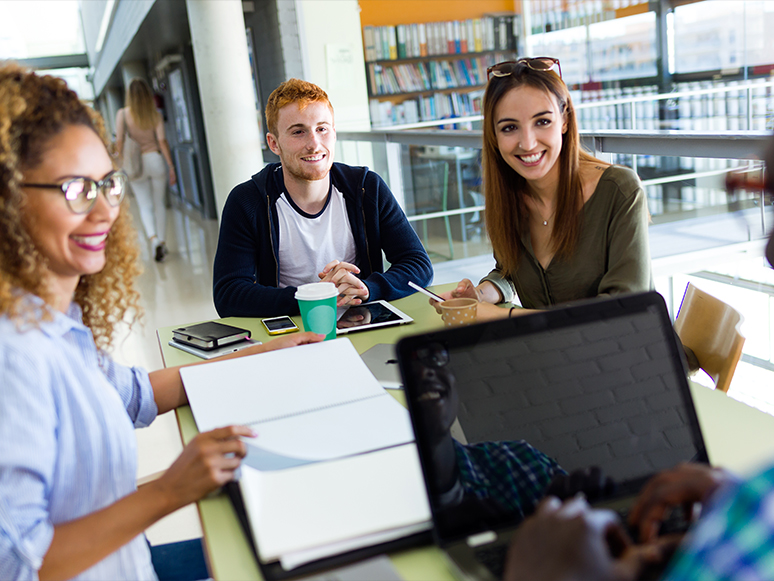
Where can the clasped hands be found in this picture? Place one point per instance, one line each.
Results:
(352, 290)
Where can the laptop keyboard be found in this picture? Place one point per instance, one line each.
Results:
(676, 522)
(493, 558)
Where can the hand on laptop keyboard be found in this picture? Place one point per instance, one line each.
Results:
(571, 540)
(683, 486)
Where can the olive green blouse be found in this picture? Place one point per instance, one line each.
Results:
(612, 255)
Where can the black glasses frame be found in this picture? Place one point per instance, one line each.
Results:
(434, 355)
(542, 64)
(88, 190)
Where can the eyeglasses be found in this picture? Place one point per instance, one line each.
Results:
(540, 63)
(81, 192)
(434, 355)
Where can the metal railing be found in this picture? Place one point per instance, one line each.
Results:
(747, 145)
(630, 102)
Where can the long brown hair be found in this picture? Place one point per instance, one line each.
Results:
(33, 110)
(507, 215)
(142, 106)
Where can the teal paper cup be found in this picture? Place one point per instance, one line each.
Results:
(317, 301)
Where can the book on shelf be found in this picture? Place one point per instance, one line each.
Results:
(505, 25)
(441, 74)
(400, 32)
(392, 42)
(368, 43)
(426, 108)
(493, 31)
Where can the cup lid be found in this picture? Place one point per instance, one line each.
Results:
(315, 291)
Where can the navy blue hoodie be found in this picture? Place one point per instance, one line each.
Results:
(246, 271)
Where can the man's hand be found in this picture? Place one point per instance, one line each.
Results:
(682, 486)
(355, 317)
(352, 290)
(570, 540)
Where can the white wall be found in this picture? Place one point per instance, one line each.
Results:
(332, 53)
(332, 48)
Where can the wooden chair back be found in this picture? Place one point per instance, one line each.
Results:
(710, 328)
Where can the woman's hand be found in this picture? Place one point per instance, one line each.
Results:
(207, 463)
(465, 289)
(172, 176)
(291, 340)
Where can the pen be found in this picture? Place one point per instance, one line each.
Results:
(424, 291)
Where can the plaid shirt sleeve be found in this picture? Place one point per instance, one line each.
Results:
(511, 473)
(734, 539)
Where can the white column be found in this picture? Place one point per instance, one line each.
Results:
(227, 93)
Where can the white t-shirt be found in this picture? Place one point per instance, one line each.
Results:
(308, 242)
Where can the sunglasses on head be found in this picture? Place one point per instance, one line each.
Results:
(81, 192)
(539, 63)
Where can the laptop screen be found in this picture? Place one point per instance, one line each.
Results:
(500, 409)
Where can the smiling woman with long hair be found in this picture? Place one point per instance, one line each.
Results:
(563, 225)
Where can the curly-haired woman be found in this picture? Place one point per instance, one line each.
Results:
(69, 506)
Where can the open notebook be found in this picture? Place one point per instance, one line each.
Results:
(334, 467)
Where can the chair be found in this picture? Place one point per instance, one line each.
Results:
(710, 328)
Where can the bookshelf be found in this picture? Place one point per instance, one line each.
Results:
(434, 70)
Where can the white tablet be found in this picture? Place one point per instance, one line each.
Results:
(370, 316)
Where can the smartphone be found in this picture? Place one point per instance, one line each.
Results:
(279, 325)
(424, 291)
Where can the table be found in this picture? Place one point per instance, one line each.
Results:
(737, 436)
(226, 546)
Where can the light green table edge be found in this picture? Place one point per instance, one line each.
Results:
(227, 548)
(728, 426)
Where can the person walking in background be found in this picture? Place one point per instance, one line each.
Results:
(144, 124)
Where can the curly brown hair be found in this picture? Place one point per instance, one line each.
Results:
(34, 109)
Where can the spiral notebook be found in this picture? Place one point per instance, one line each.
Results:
(322, 418)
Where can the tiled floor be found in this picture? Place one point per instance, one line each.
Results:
(179, 291)
(176, 291)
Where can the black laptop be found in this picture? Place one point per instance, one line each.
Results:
(600, 383)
